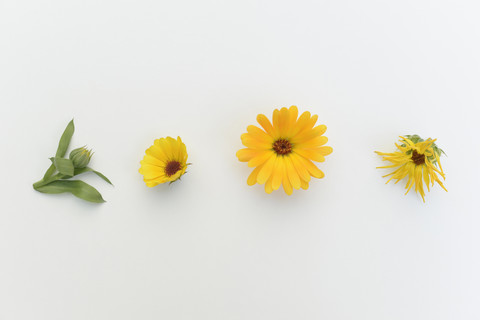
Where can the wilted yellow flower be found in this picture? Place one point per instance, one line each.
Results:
(417, 159)
(164, 161)
(282, 152)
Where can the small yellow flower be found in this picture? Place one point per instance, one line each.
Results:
(417, 159)
(282, 152)
(164, 161)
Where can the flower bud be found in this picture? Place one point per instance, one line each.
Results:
(80, 157)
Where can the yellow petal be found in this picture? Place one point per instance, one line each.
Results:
(245, 155)
(312, 143)
(312, 169)
(266, 170)
(260, 159)
(251, 142)
(301, 123)
(266, 124)
(278, 172)
(156, 152)
(268, 185)
(252, 178)
(284, 122)
(287, 186)
(259, 134)
(299, 167)
(307, 135)
(276, 124)
(304, 184)
(311, 154)
(291, 173)
(293, 110)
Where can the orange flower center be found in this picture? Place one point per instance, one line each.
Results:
(282, 147)
(172, 168)
(418, 158)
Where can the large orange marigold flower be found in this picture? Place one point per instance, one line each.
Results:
(282, 152)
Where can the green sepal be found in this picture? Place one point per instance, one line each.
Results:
(78, 188)
(88, 169)
(64, 166)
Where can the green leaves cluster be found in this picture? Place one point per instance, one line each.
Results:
(56, 178)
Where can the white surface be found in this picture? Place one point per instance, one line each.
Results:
(210, 247)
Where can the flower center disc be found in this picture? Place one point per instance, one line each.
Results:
(282, 146)
(418, 158)
(172, 168)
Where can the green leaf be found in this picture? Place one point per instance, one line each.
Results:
(65, 140)
(49, 172)
(78, 188)
(62, 147)
(87, 169)
(64, 166)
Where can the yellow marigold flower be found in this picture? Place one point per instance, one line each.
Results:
(164, 161)
(282, 152)
(417, 159)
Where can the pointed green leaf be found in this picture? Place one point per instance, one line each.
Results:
(87, 169)
(50, 171)
(78, 188)
(64, 166)
(65, 140)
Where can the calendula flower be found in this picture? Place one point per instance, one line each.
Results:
(164, 161)
(282, 152)
(417, 159)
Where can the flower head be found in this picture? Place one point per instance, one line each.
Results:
(80, 157)
(164, 161)
(282, 152)
(417, 159)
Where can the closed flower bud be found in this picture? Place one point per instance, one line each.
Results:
(80, 157)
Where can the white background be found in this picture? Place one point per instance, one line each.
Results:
(210, 247)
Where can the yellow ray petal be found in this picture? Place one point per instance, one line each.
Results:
(291, 173)
(312, 169)
(252, 178)
(245, 155)
(260, 158)
(301, 170)
(307, 135)
(284, 122)
(251, 142)
(266, 124)
(287, 186)
(259, 134)
(310, 154)
(268, 185)
(278, 172)
(293, 118)
(266, 170)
